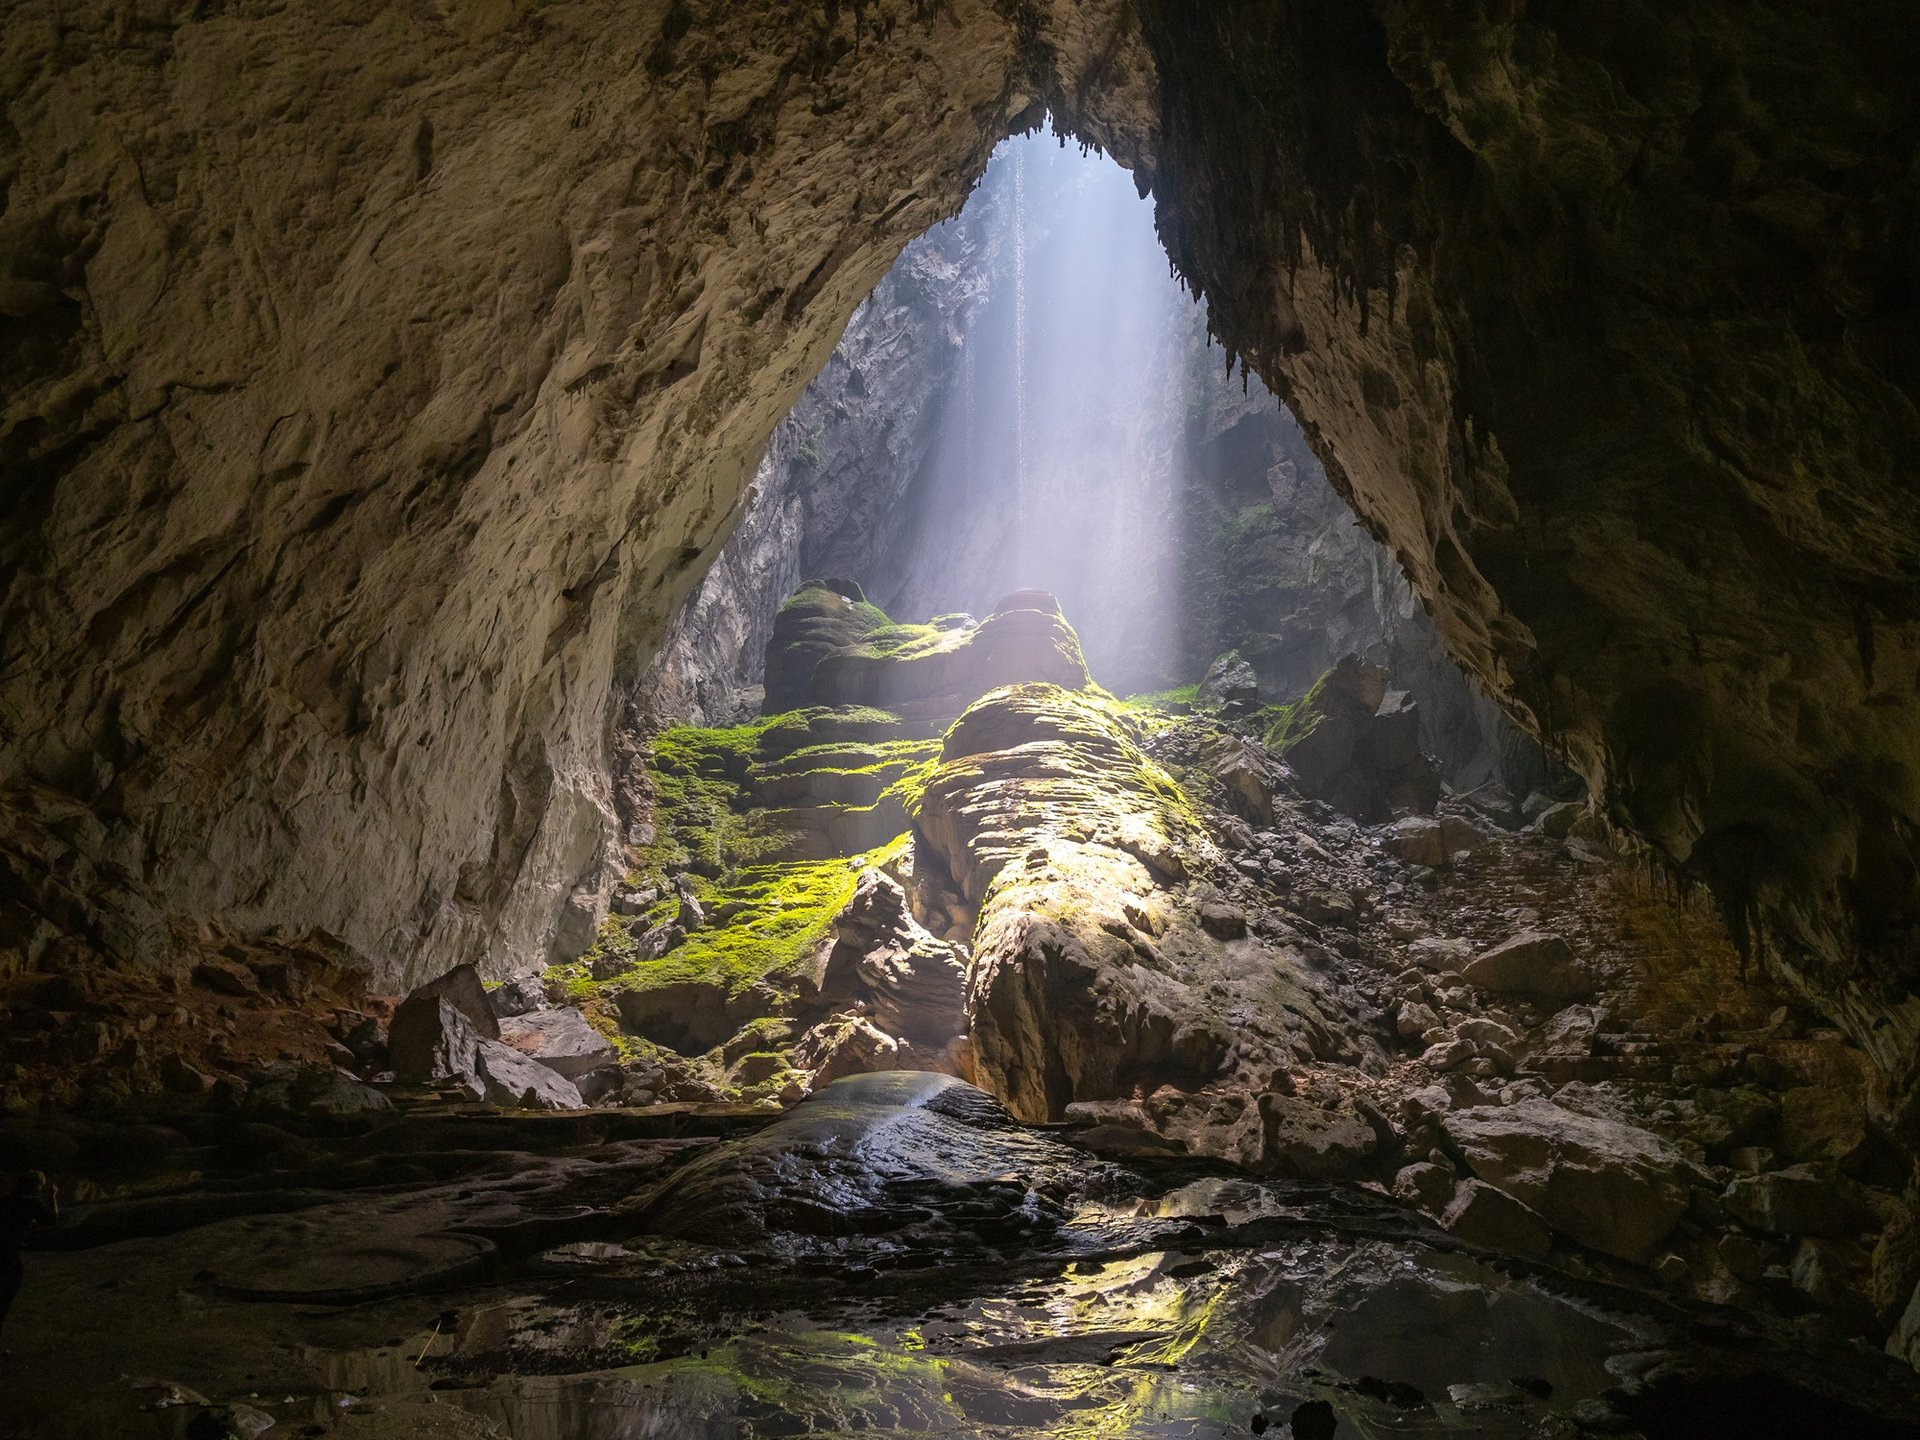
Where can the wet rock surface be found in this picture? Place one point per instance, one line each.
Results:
(894, 1256)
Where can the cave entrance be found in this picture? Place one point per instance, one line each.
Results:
(1031, 400)
(1025, 461)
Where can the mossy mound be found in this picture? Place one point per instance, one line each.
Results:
(820, 618)
(1032, 763)
(830, 649)
(765, 827)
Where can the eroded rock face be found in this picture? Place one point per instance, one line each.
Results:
(326, 575)
(363, 559)
(1098, 973)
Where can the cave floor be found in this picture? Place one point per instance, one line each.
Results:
(891, 1257)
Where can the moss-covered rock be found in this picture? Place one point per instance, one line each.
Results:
(1101, 970)
(760, 833)
(830, 649)
(820, 618)
(1355, 743)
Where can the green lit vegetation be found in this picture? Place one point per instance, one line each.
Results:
(909, 642)
(786, 910)
(729, 809)
(1284, 725)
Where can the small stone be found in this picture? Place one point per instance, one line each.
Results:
(633, 902)
(181, 1078)
(1670, 1269)
(1424, 1186)
(1412, 1020)
(1221, 920)
(517, 995)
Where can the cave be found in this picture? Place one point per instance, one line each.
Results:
(959, 717)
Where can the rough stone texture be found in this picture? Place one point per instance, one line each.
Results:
(366, 425)
(1101, 968)
(1356, 744)
(1483, 1215)
(1800, 1200)
(911, 984)
(1430, 840)
(505, 1077)
(828, 649)
(1610, 1186)
(367, 419)
(1303, 1138)
(462, 988)
(885, 471)
(431, 1040)
(1535, 964)
(561, 1040)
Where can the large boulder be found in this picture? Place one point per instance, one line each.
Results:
(1430, 839)
(1535, 965)
(462, 988)
(561, 1040)
(1230, 680)
(1488, 1217)
(434, 1031)
(431, 1039)
(1306, 1139)
(1610, 1186)
(503, 1076)
(1098, 971)
(1355, 744)
(1244, 774)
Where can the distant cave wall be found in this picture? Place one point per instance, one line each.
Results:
(378, 382)
(831, 493)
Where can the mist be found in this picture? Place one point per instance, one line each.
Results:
(1059, 454)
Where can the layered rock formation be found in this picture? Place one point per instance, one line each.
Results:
(366, 425)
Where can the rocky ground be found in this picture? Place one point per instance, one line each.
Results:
(894, 1256)
(1332, 1099)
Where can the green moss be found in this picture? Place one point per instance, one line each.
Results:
(1179, 700)
(783, 913)
(911, 787)
(1286, 725)
(909, 642)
